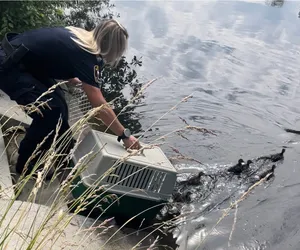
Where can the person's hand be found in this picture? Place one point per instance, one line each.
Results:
(131, 143)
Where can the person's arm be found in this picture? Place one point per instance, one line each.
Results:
(107, 115)
(96, 98)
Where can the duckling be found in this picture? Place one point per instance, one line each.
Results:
(253, 179)
(268, 171)
(240, 167)
(236, 167)
(247, 165)
(194, 180)
(273, 157)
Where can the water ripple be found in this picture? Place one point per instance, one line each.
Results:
(240, 60)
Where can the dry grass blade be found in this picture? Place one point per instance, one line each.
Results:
(233, 225)
(183, 120)
(184, 129)
(101, 226)
(185, 99)
(156, 247)
(134, 152)
(138, 94)
(180, 156)
(170, 110)
(202, 130)
(14, 129)
(175, 150)
(35, 107)
(181, 135)
(50, 90)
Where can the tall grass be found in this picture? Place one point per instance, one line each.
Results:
(44, 227)
(47, 228)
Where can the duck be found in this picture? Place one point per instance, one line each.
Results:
(194, 180)
(254, 179)
(274, 157)
(247, 165)
(239, 167)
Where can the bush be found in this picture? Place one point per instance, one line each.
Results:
(18, 16)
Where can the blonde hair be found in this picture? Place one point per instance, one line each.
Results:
(108, 39)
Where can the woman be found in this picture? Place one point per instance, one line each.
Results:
(66, 53)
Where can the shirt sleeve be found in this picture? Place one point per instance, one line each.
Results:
(88, 71)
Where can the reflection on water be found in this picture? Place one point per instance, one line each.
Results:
(240, 60)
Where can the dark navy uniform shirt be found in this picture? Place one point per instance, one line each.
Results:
(54, 54)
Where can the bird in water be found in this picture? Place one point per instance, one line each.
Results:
(262, 175)
(239, 167)
(194, 180)
(273, 157)
(236, 167)
(268, 171)
(182, 197)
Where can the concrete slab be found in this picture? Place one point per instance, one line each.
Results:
(6, 185)
(26, 219)
(9, 108)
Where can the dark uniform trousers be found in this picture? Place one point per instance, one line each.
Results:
(24, 88)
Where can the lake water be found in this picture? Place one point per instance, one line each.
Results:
(240, 62)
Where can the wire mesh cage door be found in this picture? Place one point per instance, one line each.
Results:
(78, 103)
(78, 106)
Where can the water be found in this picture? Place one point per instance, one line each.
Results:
(240, 61)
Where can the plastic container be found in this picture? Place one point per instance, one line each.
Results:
(143, 183)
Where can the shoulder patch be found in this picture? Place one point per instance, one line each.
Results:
(97, 74)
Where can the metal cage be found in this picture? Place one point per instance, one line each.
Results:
(78, 103)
